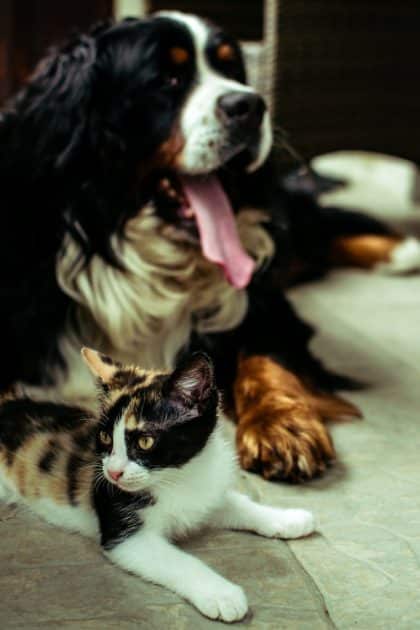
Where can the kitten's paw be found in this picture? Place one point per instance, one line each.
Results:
(224, 601)
(291, 524)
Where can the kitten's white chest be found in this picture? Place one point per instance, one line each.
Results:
(185, 497)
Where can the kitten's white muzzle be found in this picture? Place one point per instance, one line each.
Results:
(132, 478)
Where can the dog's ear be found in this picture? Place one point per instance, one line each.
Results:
(57, 96)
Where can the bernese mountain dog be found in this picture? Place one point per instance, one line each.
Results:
(142, 214)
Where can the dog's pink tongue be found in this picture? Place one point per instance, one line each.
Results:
(217, 227)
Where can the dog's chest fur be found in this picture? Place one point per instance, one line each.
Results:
(146, 313)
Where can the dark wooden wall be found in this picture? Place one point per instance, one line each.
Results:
(348, 70)
(5, 48)
(243, 18)
(28, 27)
(349, 75)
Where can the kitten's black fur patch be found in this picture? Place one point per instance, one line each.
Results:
(24, 417)
(74, 464)
(117, 512)
(137, 379)
(47, 460)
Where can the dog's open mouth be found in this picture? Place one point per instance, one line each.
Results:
(202, 209)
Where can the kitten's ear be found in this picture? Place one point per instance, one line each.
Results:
(193, 380)
(100, 365)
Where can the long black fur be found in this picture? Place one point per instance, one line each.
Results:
(74, 149)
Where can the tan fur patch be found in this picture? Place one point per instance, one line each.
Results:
(179, 55)
(167, 153)
(225, 52)
(363, 251)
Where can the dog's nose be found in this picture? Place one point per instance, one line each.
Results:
(243, 109)
(115, 474)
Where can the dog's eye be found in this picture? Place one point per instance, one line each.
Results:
(105, 438)
(146, 442)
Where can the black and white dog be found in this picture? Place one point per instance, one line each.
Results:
(141, 214)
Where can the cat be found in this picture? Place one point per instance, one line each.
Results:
(149, 468)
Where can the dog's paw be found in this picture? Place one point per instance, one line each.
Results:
(289, 524)
(280, 431)
(221, 600)
(286, 447)
(404, 259)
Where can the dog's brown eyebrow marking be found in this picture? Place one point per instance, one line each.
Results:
(179, 55)
(225, 52)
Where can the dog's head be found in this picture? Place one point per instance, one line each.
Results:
(174, 87)
(219, 116)
(157, 108)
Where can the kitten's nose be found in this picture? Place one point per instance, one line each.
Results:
(115, 474)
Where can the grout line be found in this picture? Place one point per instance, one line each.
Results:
(314, 588)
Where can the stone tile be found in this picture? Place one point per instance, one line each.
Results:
(267, 571)
(183, 617)
(27, 541)
(74, 592)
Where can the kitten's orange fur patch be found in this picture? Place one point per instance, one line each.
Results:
(131, 422)
(25, 465)
(98, 364)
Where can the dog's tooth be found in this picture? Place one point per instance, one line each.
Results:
(188, 212)
(165, 184)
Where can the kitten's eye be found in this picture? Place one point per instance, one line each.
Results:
(105, 438)
(146, 442)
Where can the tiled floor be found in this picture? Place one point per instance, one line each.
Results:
(362, 570)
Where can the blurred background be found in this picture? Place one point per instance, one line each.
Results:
(337, 73)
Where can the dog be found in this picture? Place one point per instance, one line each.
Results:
(142, 213)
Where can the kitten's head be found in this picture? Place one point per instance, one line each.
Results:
(151, 419)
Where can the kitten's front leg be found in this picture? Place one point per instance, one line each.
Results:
(156, 560)
(240, 512)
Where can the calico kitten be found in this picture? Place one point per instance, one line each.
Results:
(149, 469)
